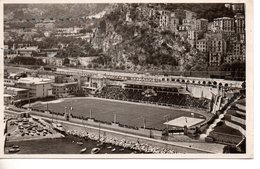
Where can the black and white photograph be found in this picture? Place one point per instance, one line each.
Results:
(127, 80)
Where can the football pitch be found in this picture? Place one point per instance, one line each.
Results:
(131, 114)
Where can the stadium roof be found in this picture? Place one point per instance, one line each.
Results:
(64, 84)
(142, 83)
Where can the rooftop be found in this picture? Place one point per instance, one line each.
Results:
(203, 19)
(223, 18)
(7, 95)
(35, 80)
(31, 48)
(64, 84)
(16, 89)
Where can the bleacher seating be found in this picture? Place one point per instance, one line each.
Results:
(169, 97)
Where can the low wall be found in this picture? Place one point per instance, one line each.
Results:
(239, 120)
(237, 127)
(47, 114)
(116, 126)
(225, 138)
(240, 113)
(242, 107)
(150, 141)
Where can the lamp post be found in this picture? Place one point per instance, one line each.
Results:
(66, 115)
(166, 117)
(99, 131)
(90, 114)
(144, 122)
(115, 118)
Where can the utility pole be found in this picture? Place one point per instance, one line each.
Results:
(29, 105)
(99, 131)
(144, 123)
(166, 117)
(66, 113)
(52, 117)
(115, 118)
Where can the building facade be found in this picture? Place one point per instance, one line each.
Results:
(191, 23)
(64, 89)
(38, 87)
(174, 23)
(203, 45)
(202, 25)
(215, 59)
(237, 53)
(240, 23)
(17, 93)
(218, 46)
(225, 25)
(7, 99)
(238, 7)
(163, 21)
(217, 51)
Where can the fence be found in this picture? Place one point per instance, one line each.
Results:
(148, 132)
(118, 127)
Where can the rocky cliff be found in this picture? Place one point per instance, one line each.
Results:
(134, 41)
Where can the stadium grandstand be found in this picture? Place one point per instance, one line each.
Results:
(167, 95)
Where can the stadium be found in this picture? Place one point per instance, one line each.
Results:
(183, 109)
(137, 105)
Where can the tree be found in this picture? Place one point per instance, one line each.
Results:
(237, 66)
(84, 31)
(90, 66)
(225, 67)
(102, 26)
(122, 67)
(27, 61)
(66, 61)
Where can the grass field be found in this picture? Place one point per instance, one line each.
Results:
(126, 113)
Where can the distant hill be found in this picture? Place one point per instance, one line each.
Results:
(29, 11)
